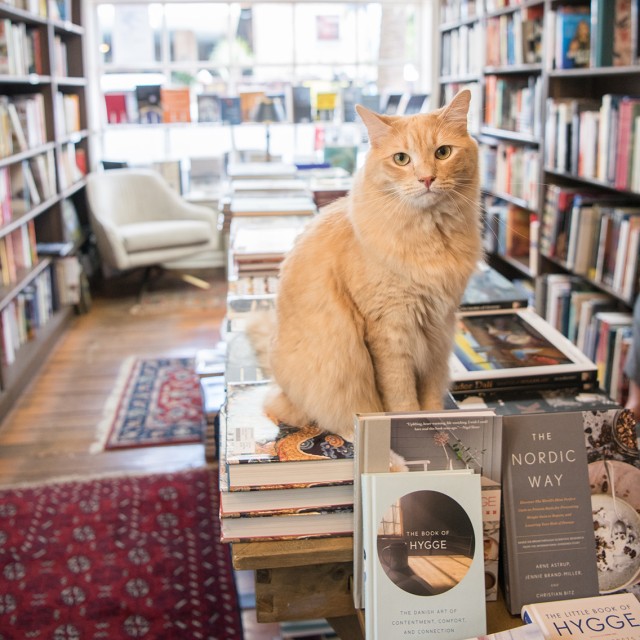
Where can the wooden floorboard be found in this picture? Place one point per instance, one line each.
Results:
(50, 430)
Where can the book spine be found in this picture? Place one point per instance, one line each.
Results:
(585, 380)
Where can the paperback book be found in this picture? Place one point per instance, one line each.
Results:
(428, 441)
(515, 349)
(423, 548)
(260, 452)
(610, 616)
(571, 481)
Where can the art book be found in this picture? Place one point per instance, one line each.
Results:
(572, 528)
(488, 289)
(424, 554)
(260, 452)
(612, 616)
(515, 349)
(543, 401)
(426, 441)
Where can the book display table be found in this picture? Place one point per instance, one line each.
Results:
(310, 579)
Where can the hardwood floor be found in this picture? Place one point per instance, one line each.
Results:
(50, 430)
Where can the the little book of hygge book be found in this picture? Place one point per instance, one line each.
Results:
(424, 568)
(614, 617)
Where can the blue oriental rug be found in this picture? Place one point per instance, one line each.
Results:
(156, 402)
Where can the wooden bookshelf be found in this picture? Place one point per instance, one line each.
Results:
(528, 98)
(43, 160)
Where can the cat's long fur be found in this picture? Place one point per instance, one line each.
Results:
(366, 301)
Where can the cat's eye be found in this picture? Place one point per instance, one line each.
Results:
(401, 158)
(443, 152)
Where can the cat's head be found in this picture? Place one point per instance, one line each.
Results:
(425, 157)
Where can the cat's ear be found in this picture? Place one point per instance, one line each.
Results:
(456, 111)
(377, 128)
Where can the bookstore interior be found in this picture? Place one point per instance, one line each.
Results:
(522, 495)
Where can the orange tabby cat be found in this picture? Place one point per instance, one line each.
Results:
(367, 296)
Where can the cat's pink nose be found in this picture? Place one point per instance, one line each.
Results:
(427, 181)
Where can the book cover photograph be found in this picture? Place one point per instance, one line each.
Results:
(488, 289)
(614, 478)
(515, 349)
(425, 570)
(433, 441)
(573, 482)
(260, 451)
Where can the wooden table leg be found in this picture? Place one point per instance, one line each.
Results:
(347, 627)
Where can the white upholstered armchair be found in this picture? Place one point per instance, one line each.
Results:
(139, 221)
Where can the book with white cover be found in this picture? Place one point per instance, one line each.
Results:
(612, 616)
(424, 559)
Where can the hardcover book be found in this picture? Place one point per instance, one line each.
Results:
(312, 524)
(149, 104)
(431, 441)
(208, 107)
(260, 452)
(573, 37)
(515, 349)
(297, 500)
(488, 289)
(610, 616)
(424, 560)
(571, 481)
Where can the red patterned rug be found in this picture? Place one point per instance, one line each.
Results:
(155, 402)
(116, 558)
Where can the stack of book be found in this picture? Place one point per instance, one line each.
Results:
(279, 481)
(258, 244)
(272, 474)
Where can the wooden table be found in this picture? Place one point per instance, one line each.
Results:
(311, 579)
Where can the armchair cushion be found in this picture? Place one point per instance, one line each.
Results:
(139, 221)
(164, 234)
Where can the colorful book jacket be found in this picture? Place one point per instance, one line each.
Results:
(572, 485)
(431, 441)
(262, 453)
(488, 289)
(515, 349)
(611, 616)
(424, 568)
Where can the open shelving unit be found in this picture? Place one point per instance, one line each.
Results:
(43, 160)
(510, 54)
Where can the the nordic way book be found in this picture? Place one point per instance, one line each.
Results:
(613, 617)
(430, 441)
(572, 485)
(262, 453)
(515, 349)
(424, 559)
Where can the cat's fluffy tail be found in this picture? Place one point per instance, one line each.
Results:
(260, 328)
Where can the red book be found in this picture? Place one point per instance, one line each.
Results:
(116, 104)
(629, 108)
